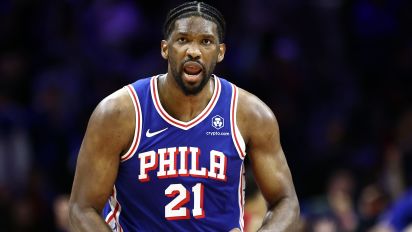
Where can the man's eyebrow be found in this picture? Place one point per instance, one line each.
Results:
(208, 35)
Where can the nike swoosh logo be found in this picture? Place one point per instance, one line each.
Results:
(151, 134)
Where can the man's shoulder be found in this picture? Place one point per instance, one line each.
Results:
(253, 114)
(116, 107)
(112, 121)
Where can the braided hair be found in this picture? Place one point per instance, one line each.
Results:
(195, 8)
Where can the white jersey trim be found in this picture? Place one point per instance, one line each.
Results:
(177, 123)
(238, 140)
(138, 125)
(241, 197)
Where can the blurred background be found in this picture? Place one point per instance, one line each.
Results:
(337, 74)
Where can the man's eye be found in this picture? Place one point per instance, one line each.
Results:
(206, 41)
(181, 40)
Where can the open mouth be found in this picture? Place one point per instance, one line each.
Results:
(192, 68)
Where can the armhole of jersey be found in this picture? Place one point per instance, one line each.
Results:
(138, 125)
(113, 217)
(236, 135)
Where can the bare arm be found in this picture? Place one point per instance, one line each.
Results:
(108, 134)
(269, 164)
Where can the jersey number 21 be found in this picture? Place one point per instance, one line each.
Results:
(175, 210)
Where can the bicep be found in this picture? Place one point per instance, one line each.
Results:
(98, 160)
(268, 161)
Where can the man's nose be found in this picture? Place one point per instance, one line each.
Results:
(193, 52)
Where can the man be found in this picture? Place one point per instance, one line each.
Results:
(166, 153)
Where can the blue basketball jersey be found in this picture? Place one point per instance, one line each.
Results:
(180, 176)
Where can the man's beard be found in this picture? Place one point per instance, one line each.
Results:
(191, 90)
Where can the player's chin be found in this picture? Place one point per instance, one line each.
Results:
(192, 89)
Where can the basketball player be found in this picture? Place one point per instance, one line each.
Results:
(166, 152)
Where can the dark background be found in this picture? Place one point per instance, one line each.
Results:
(336, 73)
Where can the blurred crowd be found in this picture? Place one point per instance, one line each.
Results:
(337, 74)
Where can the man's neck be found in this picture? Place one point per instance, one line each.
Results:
(179, 105)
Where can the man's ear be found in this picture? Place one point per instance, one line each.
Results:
(164, 49)
(222, 50)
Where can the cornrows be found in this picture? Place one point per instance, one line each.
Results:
(195, 8)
